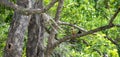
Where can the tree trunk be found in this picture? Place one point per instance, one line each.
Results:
(32, 43)
(35, 46)
(16, 34)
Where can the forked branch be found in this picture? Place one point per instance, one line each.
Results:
(110, 25)
(53, 32)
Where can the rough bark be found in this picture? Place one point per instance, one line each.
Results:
(33, 30)
(40, 52)
(35, 46)
(35, 38)
(16, 34)
(40, 46)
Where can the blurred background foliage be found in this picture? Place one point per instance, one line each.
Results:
(88, 14)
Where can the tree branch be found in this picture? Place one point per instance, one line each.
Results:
(50, 5)
(57, 16)
(75, 26)
(113, 17)
(8, 4)
(20, 9)
(83, 34)
(97, 51)
(89, 32)
(85, 42)
(51, 39)
(59, 8)
(113, 41)
(26, 11)
(117, 39)
(118, 25)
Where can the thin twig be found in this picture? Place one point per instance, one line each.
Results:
(85, 42)
(117, 39)
(59, 9)
(97, 51)
(118, 25)
(57, 15)
(113, 41)
(50, 5)
(75, 26)
(83, 34)
(53, 32)
(113, 17)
